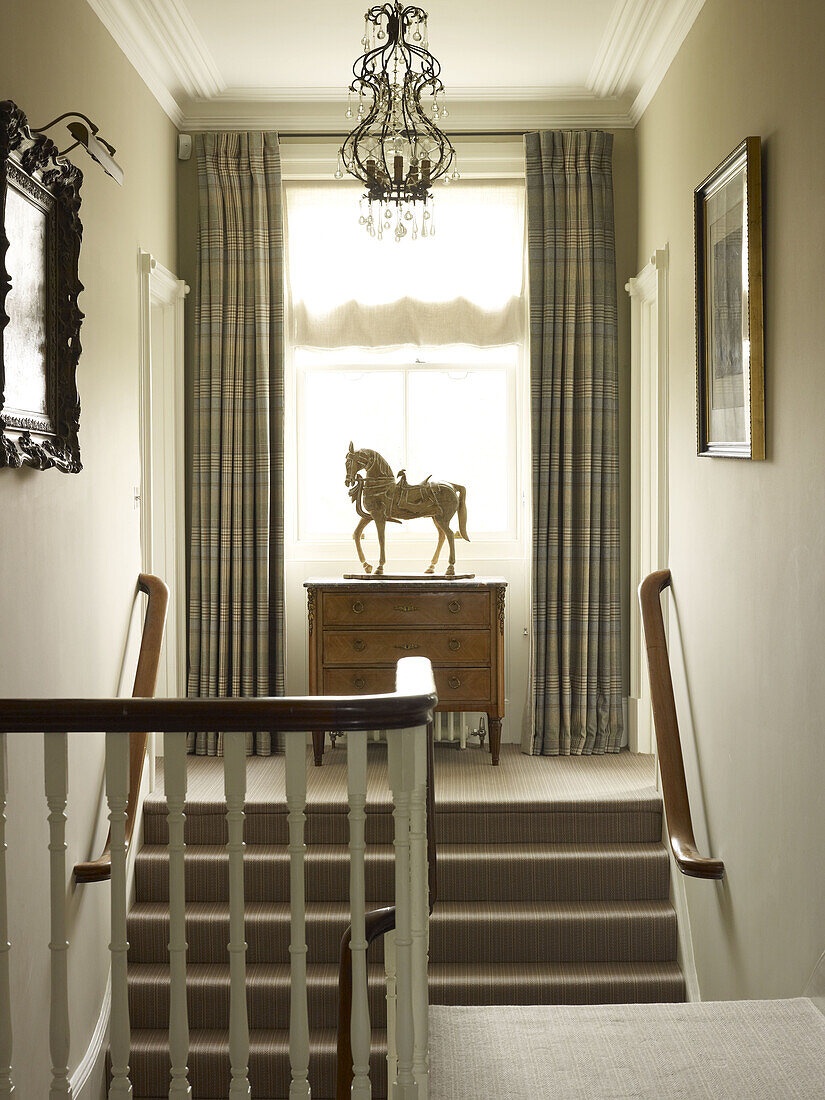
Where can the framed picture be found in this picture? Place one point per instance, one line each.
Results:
(730, 389)
(40, 235)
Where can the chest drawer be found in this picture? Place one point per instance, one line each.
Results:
(386, 647)
(454, 685)
(408, 609)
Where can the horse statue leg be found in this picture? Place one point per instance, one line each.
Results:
(380, 523)
(434, 562)
(450, 570)
(445, 532)
(356, 535)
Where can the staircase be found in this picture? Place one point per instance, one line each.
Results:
(552, 889)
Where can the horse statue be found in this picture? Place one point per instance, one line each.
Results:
(380, 497)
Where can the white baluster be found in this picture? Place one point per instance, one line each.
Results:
(234, 764)
(420, 910)
(439, 726)
(296, 798)
(360, 1019)
(117, 796)
(6, 1086)
(392, 1004)
(451, 719)
(56, 754)
(376, 735)
(174, 771)
(401, 768)
(462, 731)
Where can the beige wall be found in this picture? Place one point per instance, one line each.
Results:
(69, 546)
(747, 539)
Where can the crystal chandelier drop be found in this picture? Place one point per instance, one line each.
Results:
(395, 148)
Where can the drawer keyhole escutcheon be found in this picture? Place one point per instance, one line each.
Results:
(359, 682)
(454, 683)
(454, 607)
(408, 645)
(357, 607)
(454, 644)
(405, 607)
(359, 646)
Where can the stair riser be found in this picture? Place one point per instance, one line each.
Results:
(268, 1003)
(470, 938)
(269, 1074)
(586, 876)
(485, 827)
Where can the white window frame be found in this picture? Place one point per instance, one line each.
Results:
(417, 536)
(506, 545)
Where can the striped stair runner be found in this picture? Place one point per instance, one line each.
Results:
(553, 889)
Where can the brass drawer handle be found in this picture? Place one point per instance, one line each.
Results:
(408, 645)
(359, 646)
(359, 682)
(454, 644)
(405, 607)
(454, 606)
(454, 683)
(357, 607)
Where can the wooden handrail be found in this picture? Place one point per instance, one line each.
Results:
(411, 704)
(674, 786)
(146, 677)
(378, 923)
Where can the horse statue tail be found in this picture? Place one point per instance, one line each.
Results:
(461, 492)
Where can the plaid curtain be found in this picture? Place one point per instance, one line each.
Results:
(576, 668)
(236, 602)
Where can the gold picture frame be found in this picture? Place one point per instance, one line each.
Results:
(730, 372)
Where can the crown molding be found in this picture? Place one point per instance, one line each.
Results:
(684, 18)
(118, 18)
(171, 25)
(337, 94)
(478, 116)
(628, 34)
(163, 44)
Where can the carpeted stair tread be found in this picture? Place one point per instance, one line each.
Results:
(527, 800)
(495, 824)
(450, 984)
(524, 872)
(269, 1073)
(621, 931)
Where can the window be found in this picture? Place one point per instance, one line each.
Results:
(412, 349)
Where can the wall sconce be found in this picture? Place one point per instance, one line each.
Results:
(85, 133)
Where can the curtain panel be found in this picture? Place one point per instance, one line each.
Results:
(576, 666)
(236, 602)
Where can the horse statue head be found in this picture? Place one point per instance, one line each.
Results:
(354, 462)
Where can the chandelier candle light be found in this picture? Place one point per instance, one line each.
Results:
(395, 149)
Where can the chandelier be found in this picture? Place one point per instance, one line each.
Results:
(395, 148)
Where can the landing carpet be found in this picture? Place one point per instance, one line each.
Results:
(729, 1050)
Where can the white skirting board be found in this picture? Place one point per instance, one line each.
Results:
(88, 1081)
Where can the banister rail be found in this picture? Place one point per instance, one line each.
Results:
(341, 713)
(666, 725)
(146, 678)
(407, 714)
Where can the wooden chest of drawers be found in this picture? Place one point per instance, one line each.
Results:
(359, 629)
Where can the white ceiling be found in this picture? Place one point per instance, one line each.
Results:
(506, 66)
